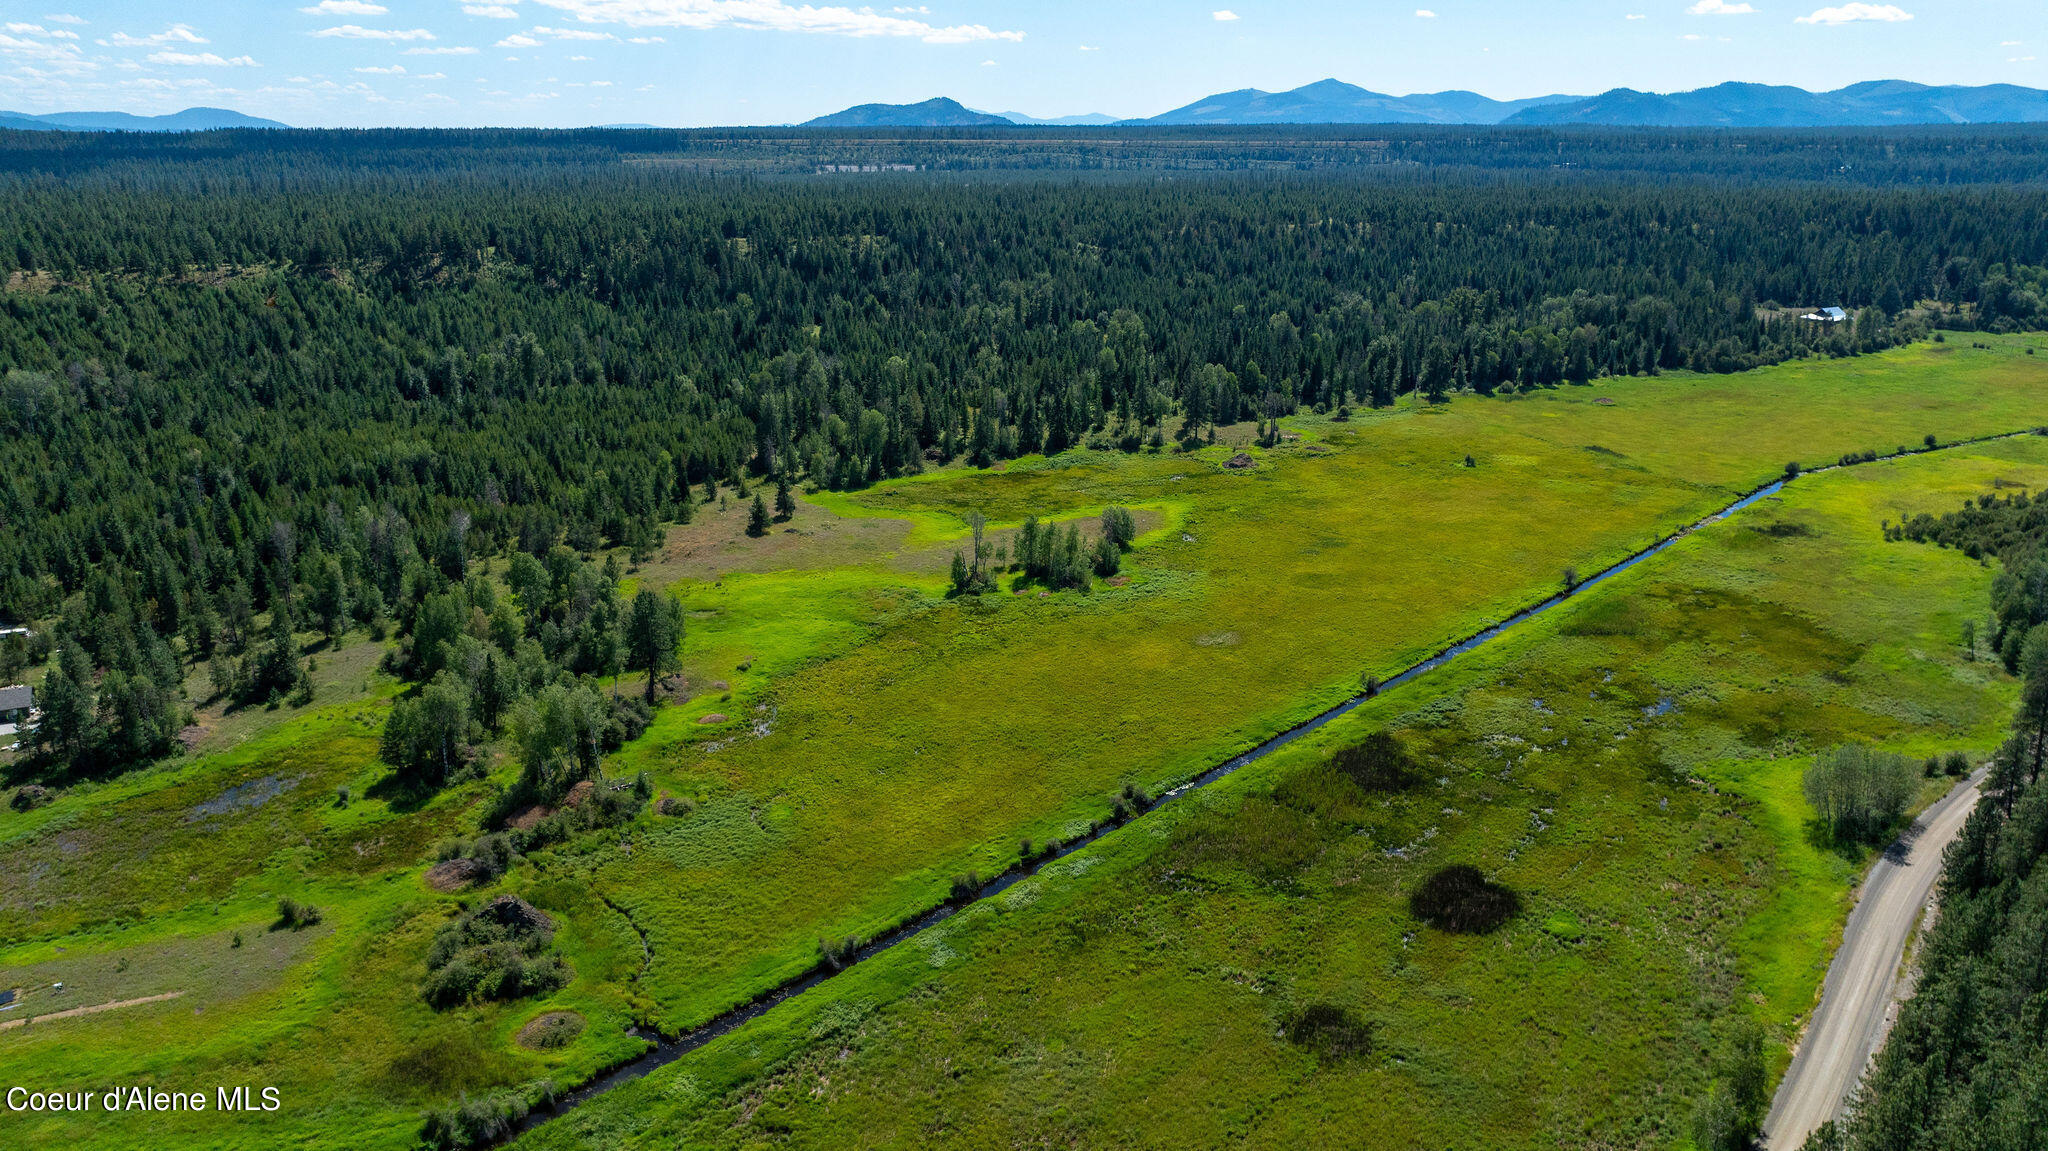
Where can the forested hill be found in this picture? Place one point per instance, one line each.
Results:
(222, 377)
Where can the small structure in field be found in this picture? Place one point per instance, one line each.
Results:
(1827, 316)
(17, 709)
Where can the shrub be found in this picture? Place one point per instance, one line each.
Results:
(1858, 793)
(498, 951)
(1329, 1031)
(966, 887)
(837, 953)
(1957, 763)
(1379, 763)
(473, 1122)
(629, 719)
(1461, 900)
(1729, 1115)
(293, 915)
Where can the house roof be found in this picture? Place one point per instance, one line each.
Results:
(16, 698)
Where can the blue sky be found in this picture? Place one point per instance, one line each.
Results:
(697, 62)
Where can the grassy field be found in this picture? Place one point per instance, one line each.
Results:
(958, 728)
(876, 739)
(1627, 766)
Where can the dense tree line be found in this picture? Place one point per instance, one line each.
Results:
(1940, 156)
(306, 389)
(2013, 529)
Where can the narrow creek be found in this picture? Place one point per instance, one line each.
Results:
(669, 1049)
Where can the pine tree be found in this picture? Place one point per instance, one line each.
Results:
(654, 635)
(785, 499)
(757, 518)
(69, 730)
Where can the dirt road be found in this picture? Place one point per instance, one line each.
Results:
(1856, 1002)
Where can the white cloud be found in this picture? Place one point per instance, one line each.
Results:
(1852, 13)
(2019, 59)
(572, 33)
(358, 32)
(64, 18)
(345, 8)
(1635, 16)
(394, 70)
(1720, 8)
(1223, 14)
(647, 40)
(517, 41)
(494, 11)
(65, 58)
(175, 34)
(989, 64)
(1692, 36)
(771, 16)
(1424, 14)
(1090, 48)
(2010, 43)
(20, 29)
(451, 51)
(201, 60)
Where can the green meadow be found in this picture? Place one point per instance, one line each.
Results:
(854, 740)
(1626, 765)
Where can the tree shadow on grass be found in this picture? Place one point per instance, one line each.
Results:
(404, 796)
(1461, 900)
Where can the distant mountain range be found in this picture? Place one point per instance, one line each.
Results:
(1767, 106)
(1092, 119)
(1335, 102)
(190, 120)
(935, 113)
(1876, 102)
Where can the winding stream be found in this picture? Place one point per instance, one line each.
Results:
(667, 1050)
